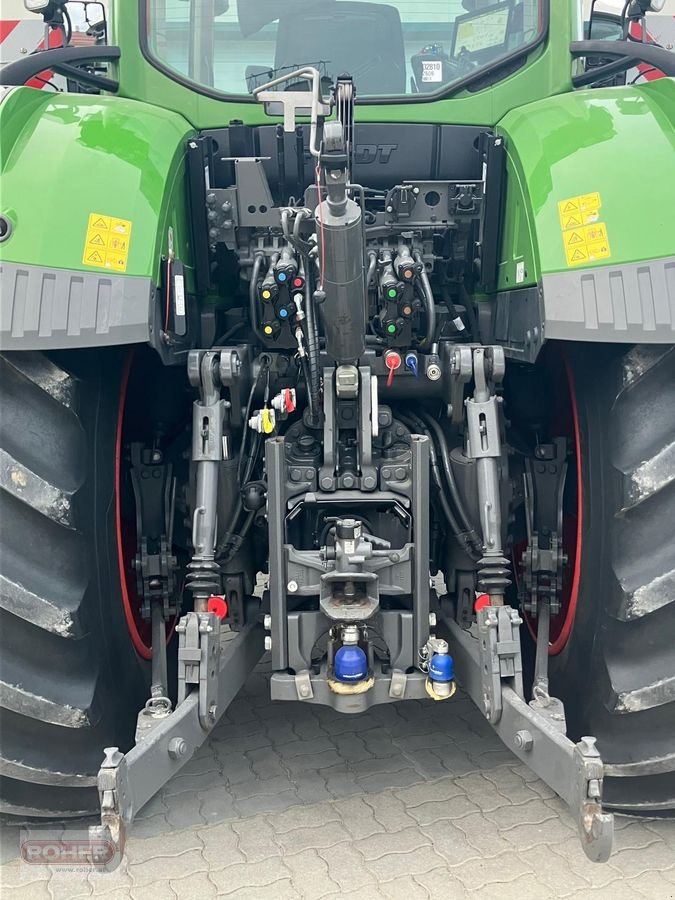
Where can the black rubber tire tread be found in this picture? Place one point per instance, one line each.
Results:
(70, 682)
(617, 673)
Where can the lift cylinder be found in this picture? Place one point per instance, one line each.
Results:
(343, 312)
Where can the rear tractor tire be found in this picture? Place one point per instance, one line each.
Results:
(70, 678)
(616, 670)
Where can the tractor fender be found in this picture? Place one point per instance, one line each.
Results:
(91, 186)
(588, 245)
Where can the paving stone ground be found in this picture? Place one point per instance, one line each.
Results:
(413, 800)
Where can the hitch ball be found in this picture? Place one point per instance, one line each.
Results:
(350, 663)
(441, 680)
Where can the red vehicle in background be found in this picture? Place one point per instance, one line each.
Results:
(610, 21)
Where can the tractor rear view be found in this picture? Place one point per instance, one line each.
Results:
(328, 331)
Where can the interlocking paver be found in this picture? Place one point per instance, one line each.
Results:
(313, 838)
(531, 813)
(304, 747)
(635, 862)
(413, 862)
(483, 792)
(117, 883)
(222, 845)
(347, 867)
(553, 873)
(35, 890)
(653, 885)
(165, 845)
(255, 839)
(248, 875)
(435, 811)
(404, 888)
(320, 760)
(150, 827)
(280, 890)
(197, 886)
(266, 803)
(357, 817)
(380, 781)
(402, 842)
(427, 763)
(303, 817)
(162, 867)
(184, 810)
(217, 804)
(450, 841)
(390, 811)
(440, 884)
(310, 874)
(411, 801)
(352, 748)
(266, 764)
(160, 890)
(438, 791)
(527, 835)
(597, 875)
(526, 887)
(64, 886)
(477, 873)
(508, 780)
(340, 782)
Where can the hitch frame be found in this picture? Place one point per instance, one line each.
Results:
(574, 771)
(126, 782)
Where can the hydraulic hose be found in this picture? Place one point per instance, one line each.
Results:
(252, 296)
(429, 305)
(458, 533)
(470, 311)
(442, 449)
(372, 266)
(314, 381)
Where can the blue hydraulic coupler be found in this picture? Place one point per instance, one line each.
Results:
(442, 667)
(411, 363)
(350, 664)
(441, 683)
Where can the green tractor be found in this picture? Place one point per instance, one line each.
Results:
(341, 330)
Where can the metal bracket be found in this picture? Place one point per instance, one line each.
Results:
(303, 685)
(113, 793)
(399, 682)
(461, 372)
(199, 662)
(154, 491)
(127, 782)
(573, 771)
(500, 657)
(543, 559)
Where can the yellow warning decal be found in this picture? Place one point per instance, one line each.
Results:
(584, 236)
(584, 245)
(577, 211)
(106, 245)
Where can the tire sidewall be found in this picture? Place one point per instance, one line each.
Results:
(593, 378)
(126, 675)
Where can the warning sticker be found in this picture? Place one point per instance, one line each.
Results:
(589, 244)
(584, 235)
(581, 210)
(107, 242)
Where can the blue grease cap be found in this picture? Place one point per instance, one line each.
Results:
(281, 276)
(350, 664)
(411, 363)
(283, 313)
(442, 667)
